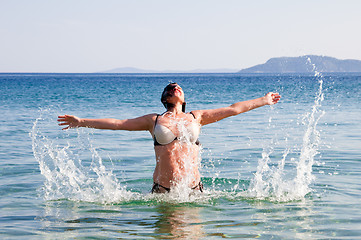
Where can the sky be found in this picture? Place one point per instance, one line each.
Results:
(78, 36)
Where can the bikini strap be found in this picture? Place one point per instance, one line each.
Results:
(155, 188)
(193, 115)
(156, 120)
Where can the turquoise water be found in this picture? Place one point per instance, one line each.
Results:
(290, 171)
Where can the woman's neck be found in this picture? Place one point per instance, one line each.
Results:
(176, 109)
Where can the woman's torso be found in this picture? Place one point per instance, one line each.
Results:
(176, 150)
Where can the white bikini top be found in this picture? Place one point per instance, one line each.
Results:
(163, 135)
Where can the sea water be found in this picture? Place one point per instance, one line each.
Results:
(290, 171)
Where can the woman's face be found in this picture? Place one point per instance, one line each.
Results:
(174, 93)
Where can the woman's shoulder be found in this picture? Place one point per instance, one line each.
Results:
(148, 117)
(195, 113)
(152, 115)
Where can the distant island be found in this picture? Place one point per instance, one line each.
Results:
(138, 70)
(304, 64)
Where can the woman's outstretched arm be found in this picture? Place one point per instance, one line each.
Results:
(214, 115)
(142, 123)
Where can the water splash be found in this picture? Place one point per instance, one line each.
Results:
(271, 182)
(311, 139)
(67, 174)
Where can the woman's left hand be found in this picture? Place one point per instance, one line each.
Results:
(272, 98)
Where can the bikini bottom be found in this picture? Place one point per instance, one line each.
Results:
(157, 188)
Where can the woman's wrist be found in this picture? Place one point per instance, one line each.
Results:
(264, 100)
(81, 122)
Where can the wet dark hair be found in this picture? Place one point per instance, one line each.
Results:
(165, 95)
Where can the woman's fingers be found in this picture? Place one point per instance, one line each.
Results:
(276, 97)
(273, 98)
(69, 120)
(64, 120)
(63, 117)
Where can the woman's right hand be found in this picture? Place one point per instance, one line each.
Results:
(71, 121)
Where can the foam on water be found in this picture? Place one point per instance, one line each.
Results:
(273, 182)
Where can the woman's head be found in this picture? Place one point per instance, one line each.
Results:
(173, 94)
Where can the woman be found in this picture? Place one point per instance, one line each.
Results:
(175, 135)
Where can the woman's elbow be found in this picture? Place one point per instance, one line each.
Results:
(233, 111)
